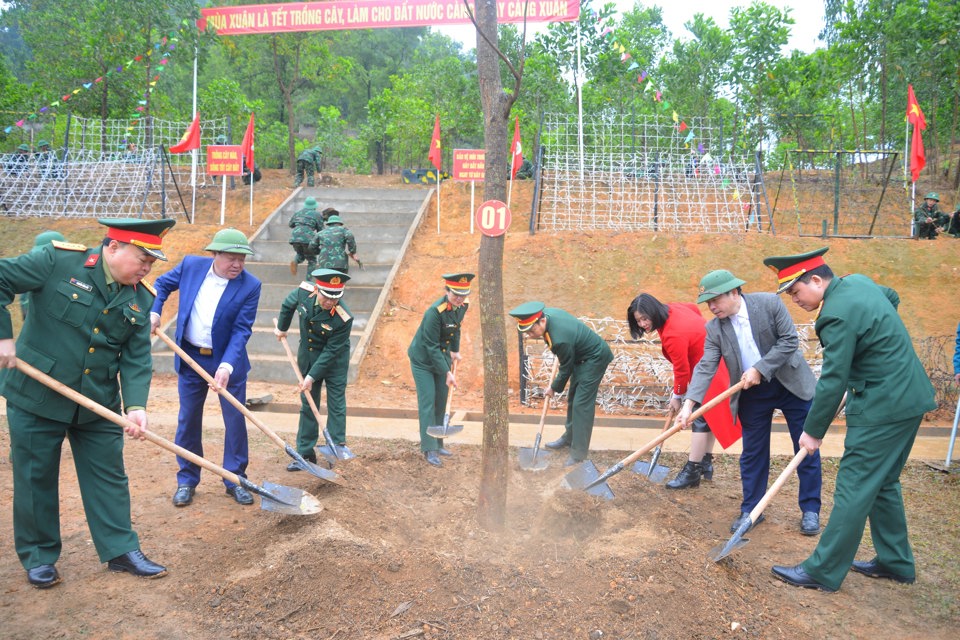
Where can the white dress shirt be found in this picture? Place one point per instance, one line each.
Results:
(199, 329)
(749, 352)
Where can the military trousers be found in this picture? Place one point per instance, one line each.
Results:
(867, 487)
(308, 430)
(97, 448)
(582, 403)
(432, 393)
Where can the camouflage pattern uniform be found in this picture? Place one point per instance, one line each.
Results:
(308, 162)
(306, 223)
(333, 245)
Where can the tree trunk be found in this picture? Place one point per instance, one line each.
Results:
(492, 501)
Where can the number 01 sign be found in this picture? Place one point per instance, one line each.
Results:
(493, 218)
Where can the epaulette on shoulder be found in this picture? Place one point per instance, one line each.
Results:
(69, 246)
(441, 307)
(149, 287)
(307, 286)
(342, 313)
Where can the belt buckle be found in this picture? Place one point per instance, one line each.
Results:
(205, 351)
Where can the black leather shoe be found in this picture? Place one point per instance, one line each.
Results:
(873, 569)
(572, 461)
(44, 576)
(432, 458)
(743, 518)
(799, 578)
(559, 443)
(688, 477)
(810, 523)
(706, 466)
(136, 563)
(295, 466)
(444, 452)
(241, 495)
(183, 496)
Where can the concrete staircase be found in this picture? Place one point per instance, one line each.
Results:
(383, 222)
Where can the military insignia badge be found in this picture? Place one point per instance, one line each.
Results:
(92, 260)
(702, 289)
(326, 326)
(134, 307)
(81, 285)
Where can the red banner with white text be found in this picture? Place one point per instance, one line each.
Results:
(372, 14)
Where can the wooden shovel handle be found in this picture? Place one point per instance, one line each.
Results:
(296, 370)
(546, 399)
(633, 457)
(223, 392)
(453, 370)
(116, 418)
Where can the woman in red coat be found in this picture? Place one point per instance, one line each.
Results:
(681, 330)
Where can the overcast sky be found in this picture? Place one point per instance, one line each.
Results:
(808, 18)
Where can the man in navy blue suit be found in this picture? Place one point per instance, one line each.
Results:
(218, 304)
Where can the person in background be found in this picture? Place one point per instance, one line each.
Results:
(334, 245)
(323, 356)
(681, 329)
(47, 161)
(864, 340)
(756, 338)
(19, 161)
(218, 304)
(308, 163)
(306, 223)
(583, 357)
(435, 347)
(88, 328)
(928, 218)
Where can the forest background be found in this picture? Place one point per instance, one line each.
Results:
(369, 98)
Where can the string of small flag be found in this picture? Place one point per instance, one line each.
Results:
(163, 49)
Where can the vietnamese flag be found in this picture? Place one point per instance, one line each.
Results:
(246, 147)
(918, 159)
(190, 139)
(516, 150)
(436, 154)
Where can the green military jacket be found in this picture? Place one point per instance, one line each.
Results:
(438, 336)
(324, 335)
(333, 245)
(76, 332)
(311, 156)
(922, 213)
(573, 343)
(868, 354)
(305, 224)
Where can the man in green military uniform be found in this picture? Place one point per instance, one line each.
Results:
(306, 223)
(89, 328)
(323, 356)
(583, 356)
(435, 347)
(308, 162)
(867, 354)
(47, 161)
(334, 245)
(44, 238)
(928, 218)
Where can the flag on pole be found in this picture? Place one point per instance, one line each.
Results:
(516, 150)
(190, 139)
(246, 147)
(436, 154)
(918, 159)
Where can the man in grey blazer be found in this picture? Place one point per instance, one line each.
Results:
(757, 339)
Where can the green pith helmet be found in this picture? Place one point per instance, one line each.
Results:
(334, 220)
(716, 283)
(933, 195)
(310, 203)
(230, 241)
(23, 147)
(318, 149)
(221, 139)
(43, 143)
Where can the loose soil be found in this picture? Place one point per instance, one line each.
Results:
(397, 551)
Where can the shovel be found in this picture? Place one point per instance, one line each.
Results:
(323, 474)
(446, 429)
(330, 451)
(586, 476)
(274, 497)
(651, 470)
(737, 540)
(532, 459)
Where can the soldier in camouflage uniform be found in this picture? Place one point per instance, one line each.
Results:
(308, 162)
(928, 219)
(306, 223)
(334, 245)
(323, 356)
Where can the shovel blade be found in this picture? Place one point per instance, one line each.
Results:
(313, 468)
(288, 500)
(444, 430)
(720, 552)
(533, 459)
(582, 476)
(655, 473)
